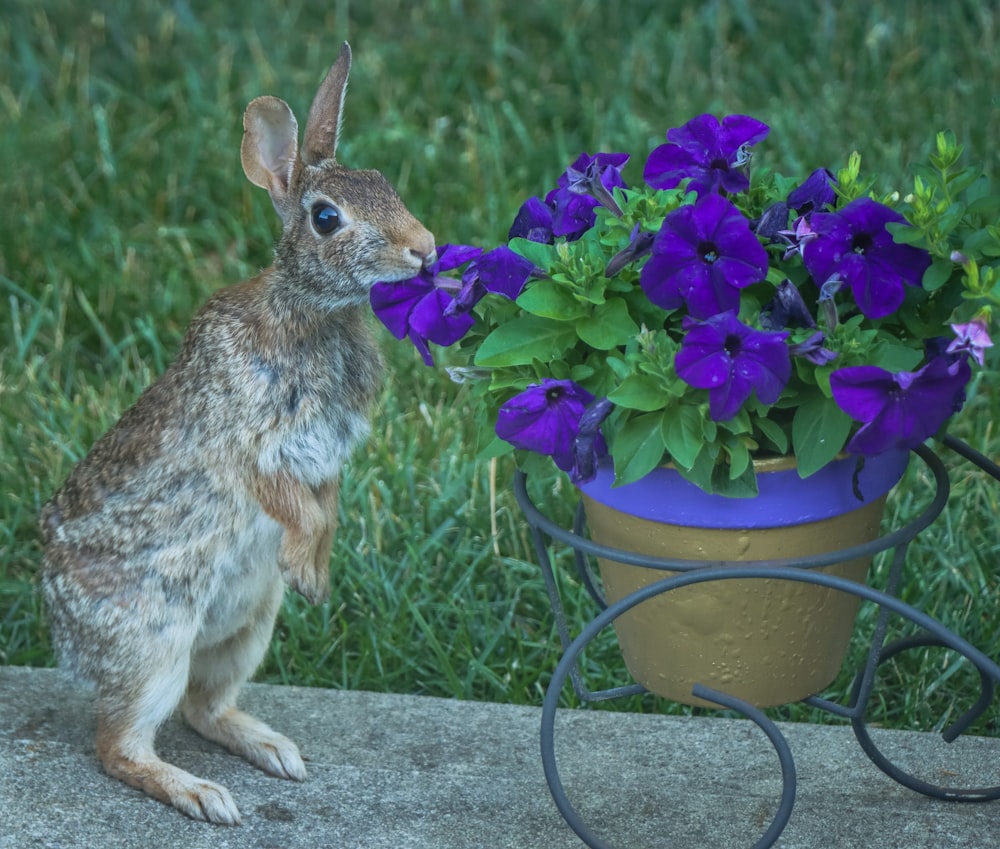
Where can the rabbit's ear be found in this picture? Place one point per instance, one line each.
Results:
(323, 126)
(270, 138)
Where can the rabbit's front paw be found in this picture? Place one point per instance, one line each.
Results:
(308, 574)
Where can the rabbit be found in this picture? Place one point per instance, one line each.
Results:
(168, 547)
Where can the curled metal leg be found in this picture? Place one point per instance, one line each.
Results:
(564, 670)
(987, 679)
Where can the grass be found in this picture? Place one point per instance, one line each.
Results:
(126, 206)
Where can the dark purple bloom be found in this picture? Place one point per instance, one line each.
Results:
(899, 410)
(855, 245)
(815, 193)
(772, 222)
(731, 361)
(533, 222)
(702, 256)
(812, 349)
(421, 307)
(708, 152)
(586, 184)
(545, 418)
(640, 243)
(786, 309)
(589, 445)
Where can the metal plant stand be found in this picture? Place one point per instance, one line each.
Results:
(802, 570)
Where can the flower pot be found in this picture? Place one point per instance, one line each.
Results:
(768, 642)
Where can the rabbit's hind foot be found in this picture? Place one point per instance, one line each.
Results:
(249, 738)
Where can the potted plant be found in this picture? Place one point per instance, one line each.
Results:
(698, 325)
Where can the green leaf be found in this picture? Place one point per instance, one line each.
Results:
(638, 448)
(548, 299)
(683, 434)
(937, 274)
(523, 340)
(608, 326)
(739, 459)
(819, 432)
(774, 433)
(639, 392)
(904, 234)
(537, 253)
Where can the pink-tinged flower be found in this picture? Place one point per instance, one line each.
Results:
(972, 338)
(855, 244)
(545, 418)
(708, 152)
(702, 256)
(732, 361)
(899, 410)
(798, 237)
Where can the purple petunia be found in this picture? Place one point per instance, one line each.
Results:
(706, 151)
(900, 410)
(545, 418)
(854, 245)
(702, 256)
(732, 360)
(533, 222)
(421, 307)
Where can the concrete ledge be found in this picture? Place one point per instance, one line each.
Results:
(392, 772)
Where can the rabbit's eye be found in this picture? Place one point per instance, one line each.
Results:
(325, 218)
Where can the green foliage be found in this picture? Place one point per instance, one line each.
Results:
(125, 206)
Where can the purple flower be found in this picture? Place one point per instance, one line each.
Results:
(855, 244)
(731, 361)
(533, 222)
(899, 410)
(702, 256)
(421, 307)
(502, 271)
(972, 338)
(586, 184)
(545, 418)
(708, 152)
(815, 193)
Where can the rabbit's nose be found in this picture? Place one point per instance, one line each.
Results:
(427, 257)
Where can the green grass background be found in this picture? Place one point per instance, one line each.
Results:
(123, 205)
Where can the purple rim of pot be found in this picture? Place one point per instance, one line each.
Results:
(664, 496)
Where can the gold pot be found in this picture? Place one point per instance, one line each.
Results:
(766, 641)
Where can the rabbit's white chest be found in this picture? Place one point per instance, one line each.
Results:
(246, 584)
(313, 442)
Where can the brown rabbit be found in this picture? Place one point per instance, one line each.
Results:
(167, 546)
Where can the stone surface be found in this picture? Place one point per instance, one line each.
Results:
(392, 771)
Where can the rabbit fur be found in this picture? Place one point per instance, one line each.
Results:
(168, 547)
